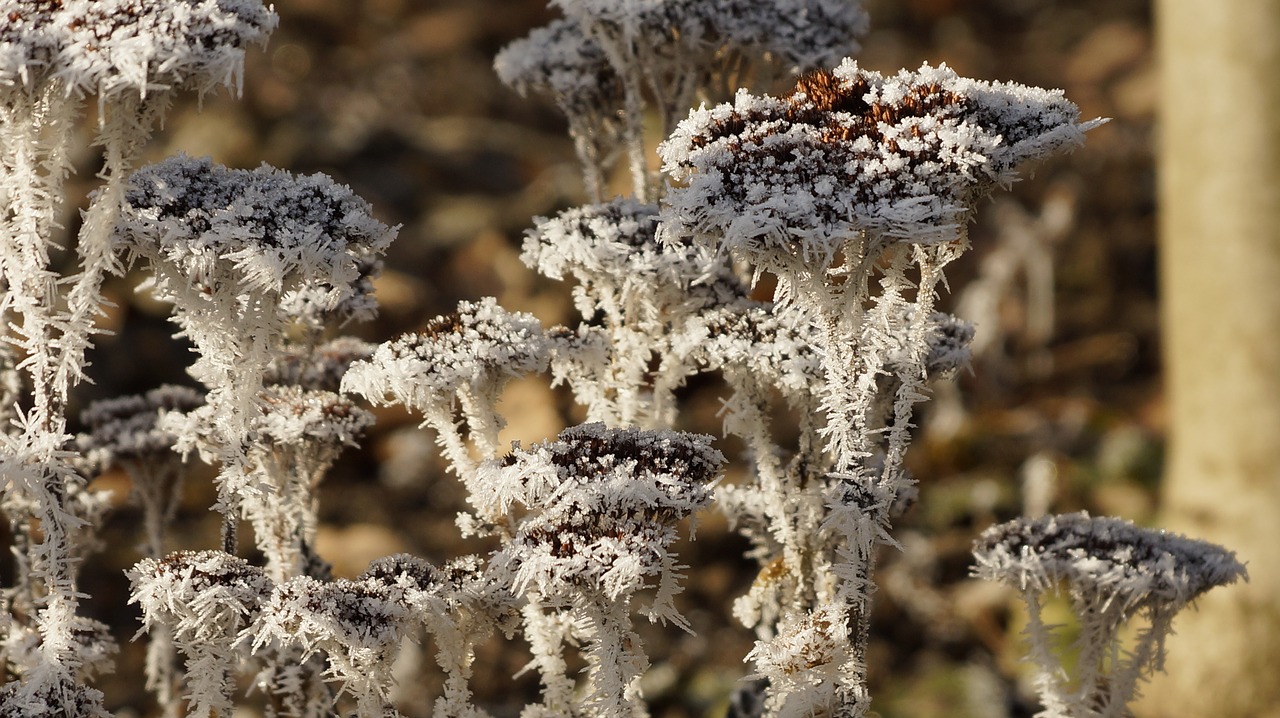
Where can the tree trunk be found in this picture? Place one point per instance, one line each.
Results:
(1219, 160)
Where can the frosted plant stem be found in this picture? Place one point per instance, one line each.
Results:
(450, 440)
(1123, 686)
(483, 423)
(752, 424)
(546, 636)
(588, 152)
(616, 662)
(1049, 672)
(1098, 625)
(124, 128)
(622, 55)
(34, 165)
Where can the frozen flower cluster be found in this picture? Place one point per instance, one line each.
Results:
(1104, 561)
(116, 46)
(261, 230)
(1115, 574)
(902, 158)
(605, 503)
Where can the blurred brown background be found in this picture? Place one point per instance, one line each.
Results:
(397, 98)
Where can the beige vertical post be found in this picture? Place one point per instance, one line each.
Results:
(1219, 199)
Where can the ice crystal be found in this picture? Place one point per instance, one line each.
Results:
(460, 359)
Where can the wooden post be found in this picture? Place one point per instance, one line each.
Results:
(1219, 194)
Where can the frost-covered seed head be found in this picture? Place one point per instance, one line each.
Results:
(317, 306)
(263, 230)
(560, 61)
(124, 428)
(801, 35)
(321, 368)
(903, 158)
(474, 349)
(339, 615)
(62, 696)
(135, 46)
(751, 337)
(605, 504)
(201, 595)
(947, 339)
(613, 252)
(294, 416)
(1104, 561)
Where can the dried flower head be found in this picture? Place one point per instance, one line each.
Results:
(310, 420)
(789, 179)
(125, 428)
(261, 230)
(136, 46)
(1104, 560)
(476, 350)
(751, 338)
(604, 502)
(621, 268)
(560, 61)
(321, 368)
(1114, 572)
(204, 599)
(800, 35)
(60, 696)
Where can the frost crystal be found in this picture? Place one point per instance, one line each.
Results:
(849, 151)
(357, 625)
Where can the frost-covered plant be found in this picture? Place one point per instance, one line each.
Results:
(228, 248)
(627, 55)
(1115, 574)
(641, 291)
(459, 360)
(132, 57)
(853, 189)
(204, 599)
(602, 507)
